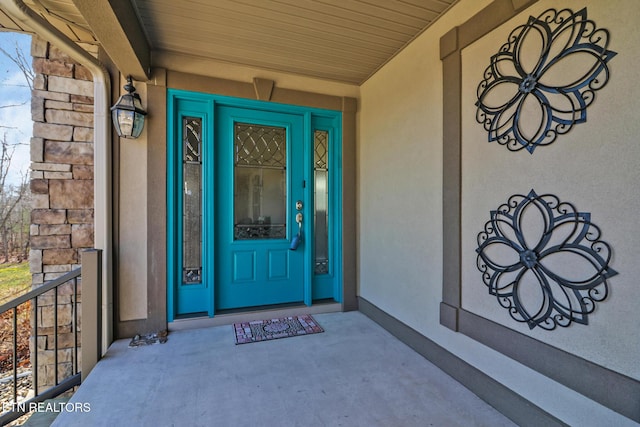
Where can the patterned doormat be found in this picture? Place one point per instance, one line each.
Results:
(264, 330)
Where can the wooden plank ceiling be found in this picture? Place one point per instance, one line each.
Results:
(61, 13)
(340, 40)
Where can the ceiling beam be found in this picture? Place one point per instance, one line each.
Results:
(116, 26)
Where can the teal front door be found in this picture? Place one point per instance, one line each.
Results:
(253, 202)
(260, 209)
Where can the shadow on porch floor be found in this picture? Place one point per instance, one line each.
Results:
(353, 374)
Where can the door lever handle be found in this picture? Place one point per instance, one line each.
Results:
(297, 239)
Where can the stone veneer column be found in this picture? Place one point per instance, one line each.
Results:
(62, 191)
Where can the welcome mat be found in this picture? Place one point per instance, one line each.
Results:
(264, 330)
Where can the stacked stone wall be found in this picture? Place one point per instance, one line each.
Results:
(62, 190)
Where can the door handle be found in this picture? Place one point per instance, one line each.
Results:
(297, 239)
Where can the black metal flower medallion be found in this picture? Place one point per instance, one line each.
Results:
(544, 261)
(542, 79)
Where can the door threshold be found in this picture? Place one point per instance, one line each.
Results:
(250, 315)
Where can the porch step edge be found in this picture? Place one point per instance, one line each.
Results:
(247, 316)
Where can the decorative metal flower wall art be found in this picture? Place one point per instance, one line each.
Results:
(542, 79)
(544, 261)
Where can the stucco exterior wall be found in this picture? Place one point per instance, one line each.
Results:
(132, 221)
(593, 166)
(400, 201)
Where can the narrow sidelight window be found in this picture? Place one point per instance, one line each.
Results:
(321, 192)
(192, 200)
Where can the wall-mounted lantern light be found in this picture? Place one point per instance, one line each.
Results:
(128, 114)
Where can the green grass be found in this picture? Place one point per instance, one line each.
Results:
(15, 279)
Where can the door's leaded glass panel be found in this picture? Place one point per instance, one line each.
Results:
(260, 190)
(192, 201)
(321, 191)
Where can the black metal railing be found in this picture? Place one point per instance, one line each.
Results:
(47, 299)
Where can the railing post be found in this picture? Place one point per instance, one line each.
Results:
(91, 335)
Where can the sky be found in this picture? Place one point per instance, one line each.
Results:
(15, 121)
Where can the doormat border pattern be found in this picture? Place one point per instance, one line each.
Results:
(271, 329)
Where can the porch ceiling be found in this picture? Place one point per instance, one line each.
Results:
(340, 40)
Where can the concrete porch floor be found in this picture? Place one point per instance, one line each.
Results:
(353, 374)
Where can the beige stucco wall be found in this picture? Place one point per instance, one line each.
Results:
(594, 167)
(400, 179)
(246, 74)
(132, 220)
(400, 202)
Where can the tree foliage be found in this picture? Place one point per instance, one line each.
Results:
(23, 62)
(14, 197)
(14, 206)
